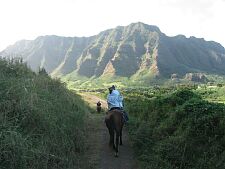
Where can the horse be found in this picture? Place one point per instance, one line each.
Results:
(114, 122)
(99, 108)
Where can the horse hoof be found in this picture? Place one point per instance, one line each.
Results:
(116, 154)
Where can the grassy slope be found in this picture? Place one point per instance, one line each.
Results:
(41, 122)
(177, 130)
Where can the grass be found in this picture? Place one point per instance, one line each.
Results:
(177, 129)
(41, 122)
(213, 93)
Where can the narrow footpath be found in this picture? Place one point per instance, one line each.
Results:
(99, 155)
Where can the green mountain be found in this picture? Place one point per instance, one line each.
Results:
(54, 53)
(135, 51)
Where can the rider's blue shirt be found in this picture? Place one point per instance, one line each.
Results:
(112, 100)
(115, 99)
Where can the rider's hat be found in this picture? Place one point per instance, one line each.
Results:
(110, 88)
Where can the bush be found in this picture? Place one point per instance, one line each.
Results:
(41, 122)
(178, 130)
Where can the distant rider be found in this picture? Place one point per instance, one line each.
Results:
(99, 104)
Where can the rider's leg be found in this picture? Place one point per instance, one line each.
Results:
(125, 115)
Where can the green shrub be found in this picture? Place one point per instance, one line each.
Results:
(178, 130)
(41, 122)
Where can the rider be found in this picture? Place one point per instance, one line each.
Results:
(99, 103)
(112, 100)
(115, 101)
(120, 97)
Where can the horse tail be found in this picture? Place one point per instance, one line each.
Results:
(117, 121)
(110, 122)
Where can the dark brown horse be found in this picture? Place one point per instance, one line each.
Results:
(114, 123)
(99, 108)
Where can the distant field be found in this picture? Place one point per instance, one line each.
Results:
(213, 93)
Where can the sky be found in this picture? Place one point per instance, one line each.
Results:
(28, 19)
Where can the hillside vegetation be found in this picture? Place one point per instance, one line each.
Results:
(176, 129)
(41, 122)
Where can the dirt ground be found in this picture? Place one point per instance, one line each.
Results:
(99, 155)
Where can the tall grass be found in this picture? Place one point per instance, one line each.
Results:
(178, 130)
(41, 122)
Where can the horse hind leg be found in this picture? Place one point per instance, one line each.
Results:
(121, 142)
(111, 141)
(111, 134)
(114, 147)
(117, 143)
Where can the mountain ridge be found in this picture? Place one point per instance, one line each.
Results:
(135, 50)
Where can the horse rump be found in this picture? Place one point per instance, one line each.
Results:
(114, 123)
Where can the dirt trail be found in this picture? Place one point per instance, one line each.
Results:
(92, 100)
(107, 159)
(100, 155)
